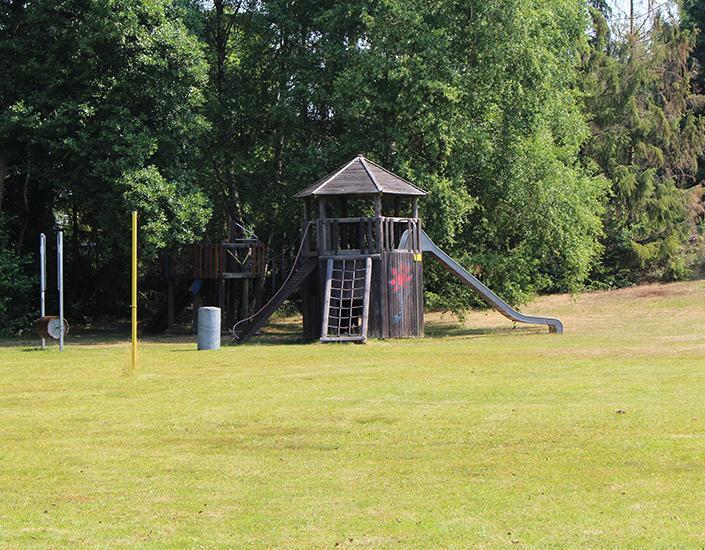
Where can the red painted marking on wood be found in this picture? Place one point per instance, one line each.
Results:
(401, 277)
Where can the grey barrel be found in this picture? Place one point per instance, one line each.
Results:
(208, 328)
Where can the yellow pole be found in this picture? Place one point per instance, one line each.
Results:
(134, 290)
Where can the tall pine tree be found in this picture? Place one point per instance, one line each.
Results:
(646, 138)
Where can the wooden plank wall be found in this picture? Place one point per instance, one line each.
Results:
(404, 295)
(313, 304)
(207, 261)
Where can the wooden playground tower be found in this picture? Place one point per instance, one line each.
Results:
(355, 280)
(365, 285)
(359, 262)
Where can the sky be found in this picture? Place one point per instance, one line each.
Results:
(620, 9)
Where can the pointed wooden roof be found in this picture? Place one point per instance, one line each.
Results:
(361, 176)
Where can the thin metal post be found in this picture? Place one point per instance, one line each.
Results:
(134, 290)
(42, 278)
(60, 282)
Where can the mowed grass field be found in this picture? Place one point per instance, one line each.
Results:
(480, 434)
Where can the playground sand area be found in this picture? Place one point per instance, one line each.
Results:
(479, 434)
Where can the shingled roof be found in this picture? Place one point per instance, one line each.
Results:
(361, 176)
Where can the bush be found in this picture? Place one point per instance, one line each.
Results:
(15, 286)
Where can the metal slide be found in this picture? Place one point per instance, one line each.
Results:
(489, 297)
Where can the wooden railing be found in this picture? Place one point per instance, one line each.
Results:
(248, 257)
(239, 259)
(207, 261)
(341, 236)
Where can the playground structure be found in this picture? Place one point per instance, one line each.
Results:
(359, 261)
(51, 326)
(226, 275)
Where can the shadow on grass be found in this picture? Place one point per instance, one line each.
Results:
(290, 333)
(89, 337)
(276, 333)
(460, 331)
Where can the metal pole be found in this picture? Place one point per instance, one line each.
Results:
(134, 290)
(42, 278)
(60, 280)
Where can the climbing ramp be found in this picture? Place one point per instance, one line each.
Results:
(347, 300)
(245, 329)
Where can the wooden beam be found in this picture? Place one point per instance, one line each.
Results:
(384, 293)
(322, 228)
(326, 298)
(378, 222)
(343, 232)
(245, 299)
(221, 299)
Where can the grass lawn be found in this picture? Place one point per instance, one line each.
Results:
(479, 434)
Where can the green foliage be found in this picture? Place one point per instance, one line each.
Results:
(693, 13)
(646, 138)
(472, 101)
(553, 154)
(535, 220)
(169, 210)
(15, 285)
(100, 115)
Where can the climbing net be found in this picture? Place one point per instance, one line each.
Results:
(348, 286)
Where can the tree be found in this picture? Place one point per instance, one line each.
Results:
(474, 101)
(100, 115)
(471, 100)
(646, 138)
(694, 19)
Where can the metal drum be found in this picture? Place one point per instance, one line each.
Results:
(208, 328)
(49, 326)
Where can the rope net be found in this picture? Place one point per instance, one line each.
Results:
(347, 293)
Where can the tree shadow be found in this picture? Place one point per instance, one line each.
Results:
(460, 331)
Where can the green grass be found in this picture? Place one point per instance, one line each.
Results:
(478, 434)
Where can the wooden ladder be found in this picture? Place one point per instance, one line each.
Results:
(347, 299)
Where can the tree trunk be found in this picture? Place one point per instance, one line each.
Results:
(235, 206)
(279, 156)
(221, 43)
(25, 204)
(233, 209)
